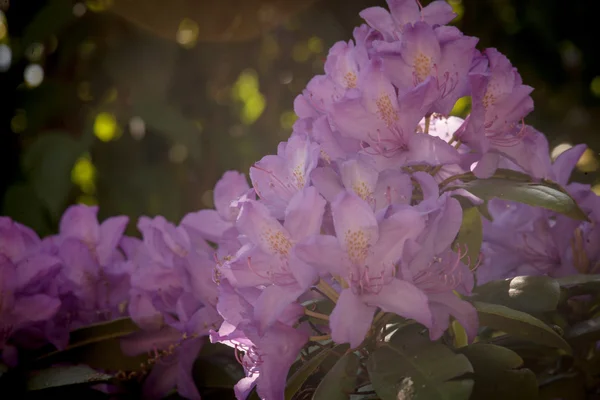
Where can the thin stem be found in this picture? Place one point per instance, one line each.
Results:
(316, 315)
(319, 338)
(427, 123)
(453, 178)
(328, 291)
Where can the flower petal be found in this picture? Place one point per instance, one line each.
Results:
(255, 221)
(323, 252)
(230, 187)
(404, 299)
(271, 303)
(304, 215)
(81, 222)
(111, 232)
(351, 319)
(208, 224)
(463, 311)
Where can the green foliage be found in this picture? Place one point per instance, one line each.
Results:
(65, 376)
(410, 366)
(498, 374)
(341, 380)
(520, 324)
(470, 235)
(530, 294)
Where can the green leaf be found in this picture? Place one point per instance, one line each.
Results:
(64, 376)
(576, 285)
(519, 324)
(295, 382)
(530, 294)
(98, 346)
(547, 195)
(497, 374)
(48, 162)
(470, 235)
(588, 330)
(410, 366)
(340, 381)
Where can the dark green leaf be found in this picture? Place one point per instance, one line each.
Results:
(497, 374)
(570, 386)
(470, 235)
(585, 330)
(410, 366)
(580, 284)
(217, 372)
(519, 324)
(48, 162)
(544, 195)
(64, 376)
(340, 381)
(529, 294)
(295, 382)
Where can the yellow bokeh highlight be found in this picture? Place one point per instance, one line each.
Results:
(462, 107)
(300, 52)
(246, 90)
(458, 8)
(187, 33)
(19, 122)
(105, 127)
(595, 86)
(315, 44)
(596, 189)
(287, 119)
(98, 5)
(588, 161)
(83, 175)
(87, 199)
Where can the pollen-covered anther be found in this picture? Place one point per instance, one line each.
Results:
(298, 174)
(422, 67)
(362, 190)
(350, 79)
(278, 242)
(386, 110)
(357, 244)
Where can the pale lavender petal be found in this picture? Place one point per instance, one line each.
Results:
(463, 311)
(351, 319)
(355, 225)
(565, 163)
(255, 221)
(272, 302)
(230, 187)
(209, 224)
(402, 298)
(324, 253)
(304, 214)
(327, 181)
(111, 232)
(81, 222)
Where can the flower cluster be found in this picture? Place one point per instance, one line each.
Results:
(351, 210)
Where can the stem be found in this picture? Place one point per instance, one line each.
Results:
(316, 315)
(328, 291)
(319, 338)
(455, 178)
(427, 122)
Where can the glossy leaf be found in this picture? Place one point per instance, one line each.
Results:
(295, 382)
(470, 235)
(412, 366)
(498, 375)
(520, 324)
(588, 330)
(580, 284)
(64, 376)
(547, 195)
(340, 381)
(531, 294)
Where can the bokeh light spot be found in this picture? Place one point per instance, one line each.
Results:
(287, 119)
(187, 34)
(559, 149)
(34, 52)
(33, 75)
(458, 8)
(246, 90)
(18, 123)
(5, 57)
(588, 161)
(105, 127)
(178, 153)
(315, 44)
(98, 5)
(595, 86)
(83, 175)
(300, 52)
(596, 189)
(79, 9)
(253, 108)
(87, 199)
(137, 128)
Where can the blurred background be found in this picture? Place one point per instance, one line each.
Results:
(139, 106)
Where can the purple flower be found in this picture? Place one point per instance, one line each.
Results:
(402, 12)
(25, 274)
(277, 179)
(213, 225)
(267, 357)
(363, 257)
(269, 260)
(422, 52)
(386, 123)
(359, 175)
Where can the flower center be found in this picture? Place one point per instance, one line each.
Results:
(350, 79)
(422, 67)
(386, 110)
(357, 245)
